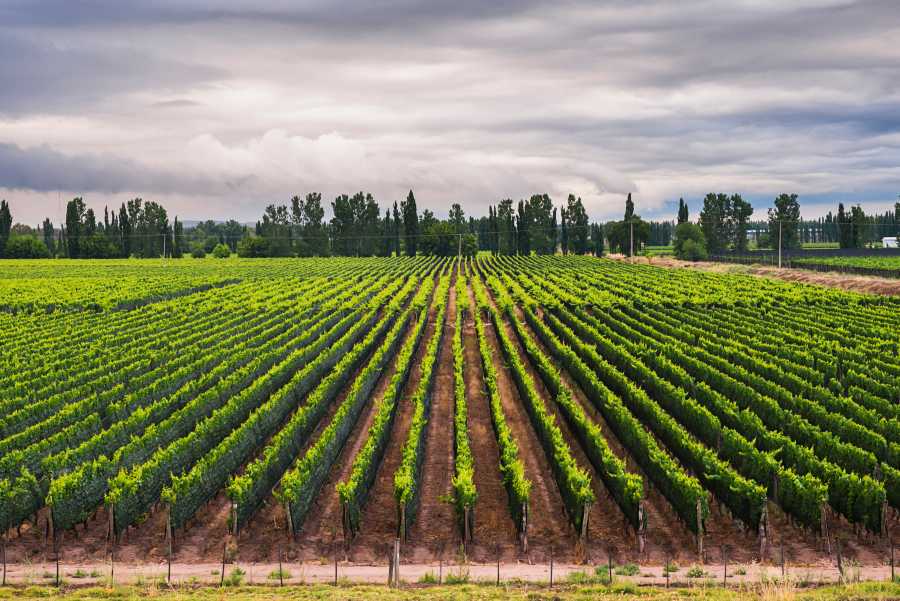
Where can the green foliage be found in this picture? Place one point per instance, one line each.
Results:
(221, 251)
(25, 247)
(689, 243)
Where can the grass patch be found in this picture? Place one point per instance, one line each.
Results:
(235, 578)
(279, 574)
(629, 569)
(428, 578)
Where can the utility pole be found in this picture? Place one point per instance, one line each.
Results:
(779, 244)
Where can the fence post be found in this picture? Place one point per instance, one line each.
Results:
(551, 565)
(224, 551)
(725, 566)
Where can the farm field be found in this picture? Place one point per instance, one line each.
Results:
(515, 407)
(882, 266)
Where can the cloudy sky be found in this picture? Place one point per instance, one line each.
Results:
(219, 108)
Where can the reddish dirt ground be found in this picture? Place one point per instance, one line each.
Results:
(666, 536)
(434, 526)
(379, 522)
(493, 523)
(548, 526)
(323, 524)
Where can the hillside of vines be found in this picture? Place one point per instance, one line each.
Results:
(501, 406)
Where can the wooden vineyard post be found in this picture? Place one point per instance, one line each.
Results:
(763, 533)
(280, 569)
(823, 519)
(224, 552)
(56, 545)
(345, 521)
(893, 577)
(396, 562)
(4, 557)
(666, 569)
(642, 528)
(401, 521)
(609, 564)
(289, 519)
(169, 546)
(782, 557)
(585, 517)
(524, 534)
(700, 530)
(467, 526)
(724, 566)
(497, 552)
(840, 559)
(391, 566)
(551, 565)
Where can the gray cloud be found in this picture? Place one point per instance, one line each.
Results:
(43, 169)
(229, 106)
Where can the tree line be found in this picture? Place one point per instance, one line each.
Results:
(360, 227)
(724, 224)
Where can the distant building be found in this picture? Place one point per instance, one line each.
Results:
(889, 242)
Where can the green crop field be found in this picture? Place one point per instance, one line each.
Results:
(523, 408)
(880, 265)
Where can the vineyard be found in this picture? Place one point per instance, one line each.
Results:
(502, 406)
(885, 266)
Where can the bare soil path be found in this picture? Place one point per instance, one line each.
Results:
(435, 528)
(493, 521)
(547, 523)
(379, 522)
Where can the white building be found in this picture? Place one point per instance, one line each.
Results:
(889, 242)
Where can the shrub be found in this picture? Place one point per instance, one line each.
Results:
(253, 247)
(221, 251)
(235, 578)
(279, 574)
(696, 572)
(198, 252)
(693, 251)
(25, 247)
(629, 569)
(689, 243)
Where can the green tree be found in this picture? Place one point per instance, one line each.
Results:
(25, 247)
(857, 227)
(578, 225)
(221, 251)
(786, 213)
(49, 240)
(410, 225)
(457, 218)
(689, 242)
(398, 225)
(597, 239)
(177, 239)
(523, 229)
(715, 221)
(5, 225)
(506, 228)
(439, 239)
(740, 215)
(631, 231)
(682, 211)
(845, 240)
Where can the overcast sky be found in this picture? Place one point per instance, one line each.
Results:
(217, 109)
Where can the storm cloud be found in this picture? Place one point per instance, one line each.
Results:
(219, 108)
